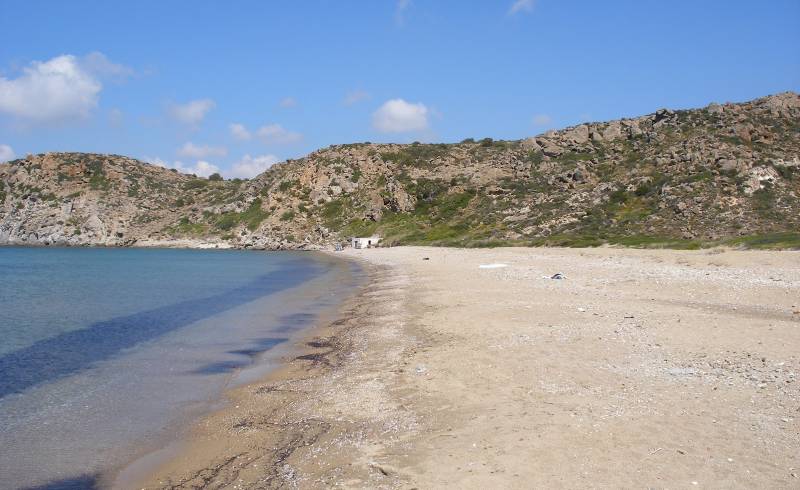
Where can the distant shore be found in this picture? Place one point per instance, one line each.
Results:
(637, 368)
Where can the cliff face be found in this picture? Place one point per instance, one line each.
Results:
(715, 173)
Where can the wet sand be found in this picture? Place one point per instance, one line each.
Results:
(672, 369)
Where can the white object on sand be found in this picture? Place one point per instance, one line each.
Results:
(492, 266)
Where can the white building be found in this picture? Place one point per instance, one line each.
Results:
(365, 242)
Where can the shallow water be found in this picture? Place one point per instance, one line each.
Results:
(105, 354)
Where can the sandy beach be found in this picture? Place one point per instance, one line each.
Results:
(636, 369)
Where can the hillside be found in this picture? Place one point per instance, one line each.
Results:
(721, 174)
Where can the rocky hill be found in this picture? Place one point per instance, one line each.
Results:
(721, 174)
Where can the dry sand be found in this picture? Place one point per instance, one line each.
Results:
(640, 369)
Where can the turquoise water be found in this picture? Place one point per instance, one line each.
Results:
(106, 353)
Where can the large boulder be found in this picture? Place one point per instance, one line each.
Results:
(578, 134)
(612, 131)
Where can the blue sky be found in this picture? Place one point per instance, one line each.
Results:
(236, 86)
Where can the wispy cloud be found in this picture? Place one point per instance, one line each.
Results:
(116, 118)
(355, 97)
(190, 150)
(240, 132)
(271, 134)
(400, 12)
(249, 167)
(200, 168)
(100, 65)
(6, 153)
(287, 102)
(542, 120)
(521, 6)
(275, 134)
(191, 113)
(399, 116)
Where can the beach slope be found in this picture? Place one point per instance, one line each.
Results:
(637, 368)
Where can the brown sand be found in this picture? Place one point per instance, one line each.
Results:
(641, 369)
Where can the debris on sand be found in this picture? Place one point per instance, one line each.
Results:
(492, 266)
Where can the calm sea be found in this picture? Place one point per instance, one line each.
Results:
(106, 354)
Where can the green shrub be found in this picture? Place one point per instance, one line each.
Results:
(97, 180)
(195, 184)
(288, 215)
(286, 185)
(417, 155)
(226, 221)
(254, 215)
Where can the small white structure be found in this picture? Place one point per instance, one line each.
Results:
(365, 242)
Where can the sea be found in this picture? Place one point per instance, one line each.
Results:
(108, 355)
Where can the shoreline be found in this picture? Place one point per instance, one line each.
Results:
(641, 368)
(323, 296)
(262, 404)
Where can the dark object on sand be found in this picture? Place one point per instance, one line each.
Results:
(558, 275)
(426, 258)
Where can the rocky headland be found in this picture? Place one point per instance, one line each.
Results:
(723, 174)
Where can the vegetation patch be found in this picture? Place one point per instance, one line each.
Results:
(251, 218)
(186, 227)
(97, 175)
(195, 184)
(286, 185)
(417, 154)
(767, 241)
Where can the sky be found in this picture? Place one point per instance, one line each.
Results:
(234, 87)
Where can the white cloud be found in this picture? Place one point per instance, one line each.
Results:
(355, 96)
(248, 167)
(287, 102)
(399, 116)
(6, 153)
(193, 112)
(52, 91)
(521, 6)
(201, 168)
(190, 150)
(542, 120)
(240, 132)
(158, 162)
(277, 135)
